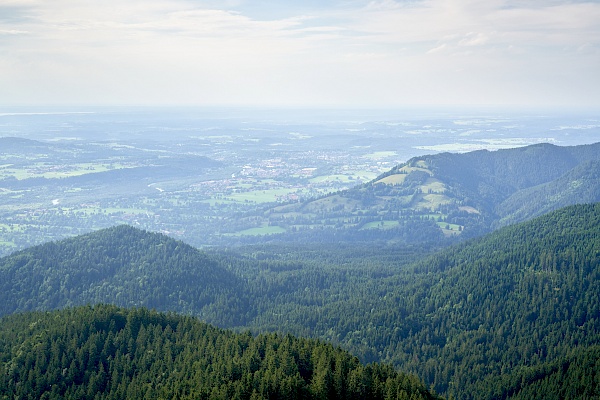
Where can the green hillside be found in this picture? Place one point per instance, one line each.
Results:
(522, 298)
(574, 376)
(106, 352)
(448, 195)
(123, 266)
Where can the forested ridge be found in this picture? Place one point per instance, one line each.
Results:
(511, 313)
(524, 296)
(443, 197)
(514, 301)
(123, 266)
(489, 178)
(105, 352)
(579, 185)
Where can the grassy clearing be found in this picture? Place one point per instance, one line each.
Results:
(469, 209)
(432, 201)
(395, 179)
(380, 225)
(327, 203)
(434, 185)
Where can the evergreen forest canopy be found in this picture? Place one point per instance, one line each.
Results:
(124, 266)
(512, 313)
(104, 352)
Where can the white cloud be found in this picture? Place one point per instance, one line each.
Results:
(437, 48)
(382, 53)
(12, 32)
(474, 39)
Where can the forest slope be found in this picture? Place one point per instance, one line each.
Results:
(519, 300)
(523, 296)
(109, 353)
(123, 266)
(579, 185)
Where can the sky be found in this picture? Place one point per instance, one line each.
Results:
(339, 54)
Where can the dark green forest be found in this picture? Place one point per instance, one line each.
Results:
(463, 318)
(511, 314)
(123, 266)
(105, 352)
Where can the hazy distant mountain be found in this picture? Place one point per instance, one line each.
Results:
(450, 195)
(579, 185)
(21, 145)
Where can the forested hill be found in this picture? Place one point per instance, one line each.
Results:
(484, 179)
(450, 195)
(123, 266)
(507, 314)
(493, 316)
(109, 353)
(511, 313)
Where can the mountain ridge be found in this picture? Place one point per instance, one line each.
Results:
(447, 195)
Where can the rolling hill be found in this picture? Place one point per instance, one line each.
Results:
(448, 195)
(123, 266)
